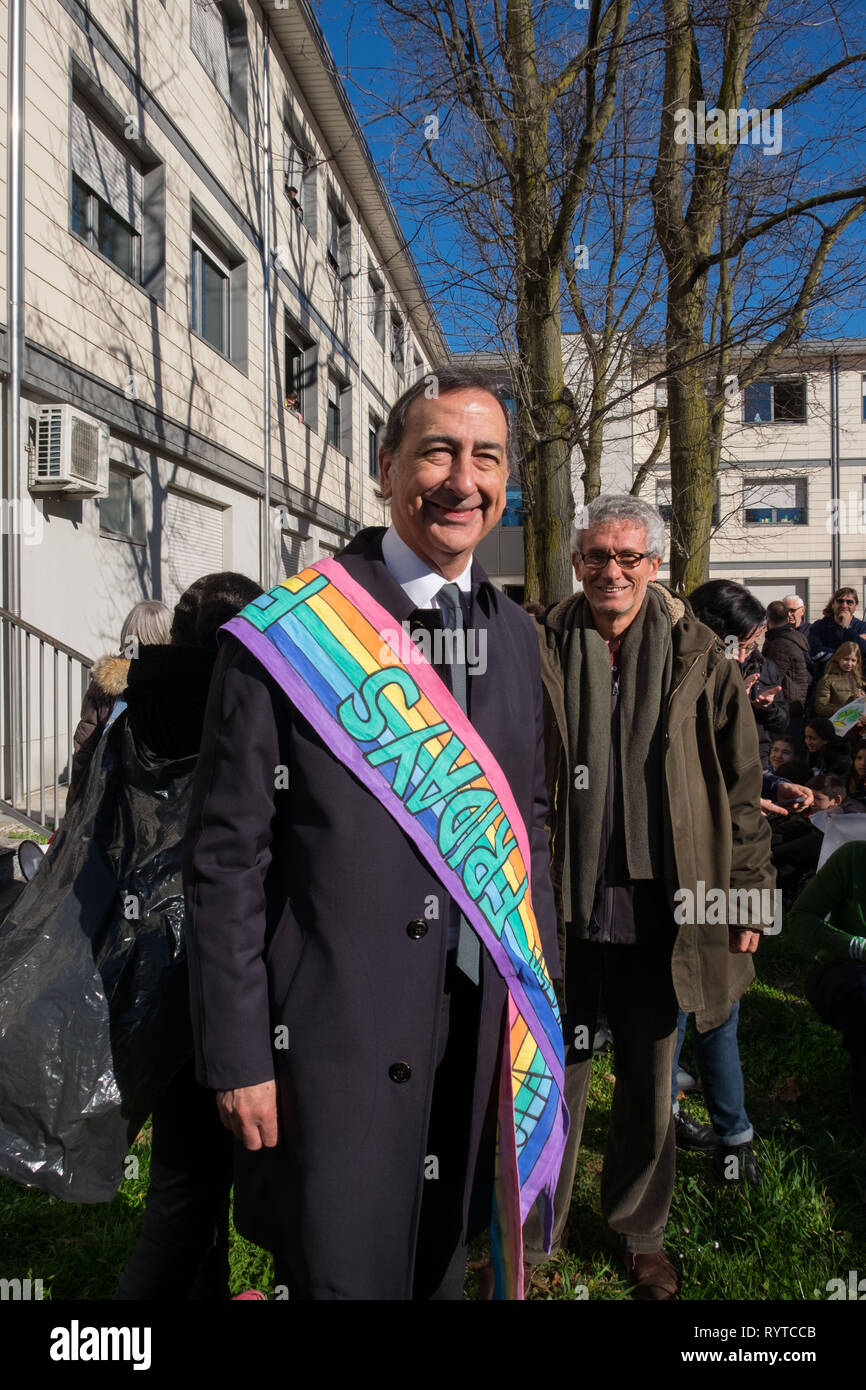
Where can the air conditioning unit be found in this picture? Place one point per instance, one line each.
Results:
(71, 453)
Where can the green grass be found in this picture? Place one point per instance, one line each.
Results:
(805, 1226)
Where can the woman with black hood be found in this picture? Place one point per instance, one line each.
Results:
(182, 1250)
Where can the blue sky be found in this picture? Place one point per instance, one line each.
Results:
(365, 59)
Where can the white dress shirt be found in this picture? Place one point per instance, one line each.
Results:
(416, 579)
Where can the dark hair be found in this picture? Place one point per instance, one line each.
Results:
(727, 608)
(846, 589)
(451, 378)
(828, 784)
(822, 727)
(794, 771)
(776, 613)
(208, 603)
(855, 786)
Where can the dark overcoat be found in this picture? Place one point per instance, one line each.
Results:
(310, 909)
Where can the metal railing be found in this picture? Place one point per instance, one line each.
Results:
(43, 682)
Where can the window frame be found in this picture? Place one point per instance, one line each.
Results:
(667, 507)
(90, 236)
(801, 486)
(397, 343)
(208, 240)
(374, 425)
(772, 383)
(377, 320)
(137, 534)
(201, 252)
(336, 385)
(235, 23)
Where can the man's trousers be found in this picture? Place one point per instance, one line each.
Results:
(637, 1179)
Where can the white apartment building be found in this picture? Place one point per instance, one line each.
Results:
(218, 307)
(791, 499)
(790, 514)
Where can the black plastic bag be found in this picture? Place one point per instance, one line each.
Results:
(94, 1009)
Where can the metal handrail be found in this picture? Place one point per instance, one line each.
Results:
(46, 637)
(21, 783)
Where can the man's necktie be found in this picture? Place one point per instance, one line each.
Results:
(468, 951)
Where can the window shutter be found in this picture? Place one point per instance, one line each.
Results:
(346, 251)
(192, 543)
(210, 41)
(311, 388)
(98, 158)
(346, 413)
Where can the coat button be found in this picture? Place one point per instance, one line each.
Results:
(417, 928)
(399, 1071)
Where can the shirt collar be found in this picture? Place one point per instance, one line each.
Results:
(419, 583)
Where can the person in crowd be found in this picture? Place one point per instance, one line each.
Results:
(828, 917)
(349, 999)
(825, 751)
(831, 795)
(838, 625)
(182, 1249)
(737, 618)
(841, 682)
(795, 613)
(788, 649)
(633, 680)
(857, 776)
(782, 750)
(147, 624)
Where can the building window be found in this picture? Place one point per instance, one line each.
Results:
(218, 298)
(373, 447)
(770, 503)
(665, 504)
(299, 177)
(397, 355)
(661, 399)
(106, 205)
(121, 514)
(218, 38)
(300, 373)
(513, 514)
(210, 295)
(334, 423)
(417, 366)
(774, 402)
(863, 396)
(376, 290)
(339, 247)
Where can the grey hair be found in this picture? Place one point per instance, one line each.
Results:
(149, 621)
(795, 598)
(620, 506)
(439, 381)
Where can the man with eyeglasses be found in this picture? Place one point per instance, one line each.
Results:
(654, 782)
(838, 625)
(795, 614)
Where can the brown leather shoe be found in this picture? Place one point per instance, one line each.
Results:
(652, 1276)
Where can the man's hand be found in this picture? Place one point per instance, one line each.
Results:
(766, 698)
(801, 797)
(771, 808)
(251, 1114)
(743, 942)
(751, 680)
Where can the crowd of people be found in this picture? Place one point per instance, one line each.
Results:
(410, 897)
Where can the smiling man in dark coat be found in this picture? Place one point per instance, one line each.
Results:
(348, 1019)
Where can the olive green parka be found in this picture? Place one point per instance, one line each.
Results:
(714, 778)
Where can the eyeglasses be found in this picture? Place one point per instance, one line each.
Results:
(625, 559)
(847, 601)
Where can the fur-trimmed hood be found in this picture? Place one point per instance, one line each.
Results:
(111, 673)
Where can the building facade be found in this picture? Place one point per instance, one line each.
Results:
(215, 279)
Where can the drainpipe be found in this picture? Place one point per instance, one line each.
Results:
(15, 347)
(835, 475)
(265, 562)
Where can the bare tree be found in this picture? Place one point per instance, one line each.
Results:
(750, 249)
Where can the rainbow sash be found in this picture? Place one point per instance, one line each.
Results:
(379, 706)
